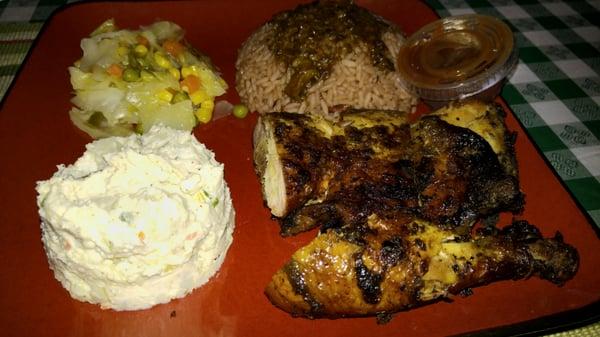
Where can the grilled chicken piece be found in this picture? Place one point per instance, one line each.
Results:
(296, 156)
(402, 262)
(396, 202)
(449, 168)
(488, 122)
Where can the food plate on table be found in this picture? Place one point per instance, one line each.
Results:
(37, 135)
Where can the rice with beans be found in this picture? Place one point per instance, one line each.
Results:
(353, 82)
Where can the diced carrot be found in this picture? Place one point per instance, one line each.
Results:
(190, 83)
(142, 40)
(173, 47)
(115, 70)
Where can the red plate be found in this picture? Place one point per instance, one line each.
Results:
(36, 135)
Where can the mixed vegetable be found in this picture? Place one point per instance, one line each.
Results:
(128, 81)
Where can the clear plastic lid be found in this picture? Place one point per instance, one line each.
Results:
(457, 57)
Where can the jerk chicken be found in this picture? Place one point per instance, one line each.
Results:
(390, 266)
(396, 201)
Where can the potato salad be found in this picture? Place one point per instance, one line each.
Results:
(137, 221)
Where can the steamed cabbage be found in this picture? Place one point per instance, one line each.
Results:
(127, 81)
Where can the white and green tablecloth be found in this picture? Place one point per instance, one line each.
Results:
(554, 92)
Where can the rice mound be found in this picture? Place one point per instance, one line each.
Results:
(354, 81)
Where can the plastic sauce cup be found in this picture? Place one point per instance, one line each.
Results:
(458, 58)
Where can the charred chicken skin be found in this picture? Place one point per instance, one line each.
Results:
(390, 266)
(316, 172)
(396, 202)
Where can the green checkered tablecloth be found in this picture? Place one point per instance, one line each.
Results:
(554, 92)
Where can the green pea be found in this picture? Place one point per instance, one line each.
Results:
(179, 97)
(143, 62)
(131, 75)
(240, 110)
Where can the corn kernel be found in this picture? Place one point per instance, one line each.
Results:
(165, 95)
(122, 51)
(199, 96)
(162, 60)
(140, 50)
(204, 113)
(191, 70)
(146, 76)
(208, 104)
(174, 72)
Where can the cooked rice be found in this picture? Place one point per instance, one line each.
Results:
(354, 80)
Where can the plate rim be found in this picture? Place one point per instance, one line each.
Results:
(557, 322)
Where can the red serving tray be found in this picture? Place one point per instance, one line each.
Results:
(36, 135)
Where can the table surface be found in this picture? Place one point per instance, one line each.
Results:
(554, 92)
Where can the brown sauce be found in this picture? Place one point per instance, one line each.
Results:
(311, 38)
(448, 55)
